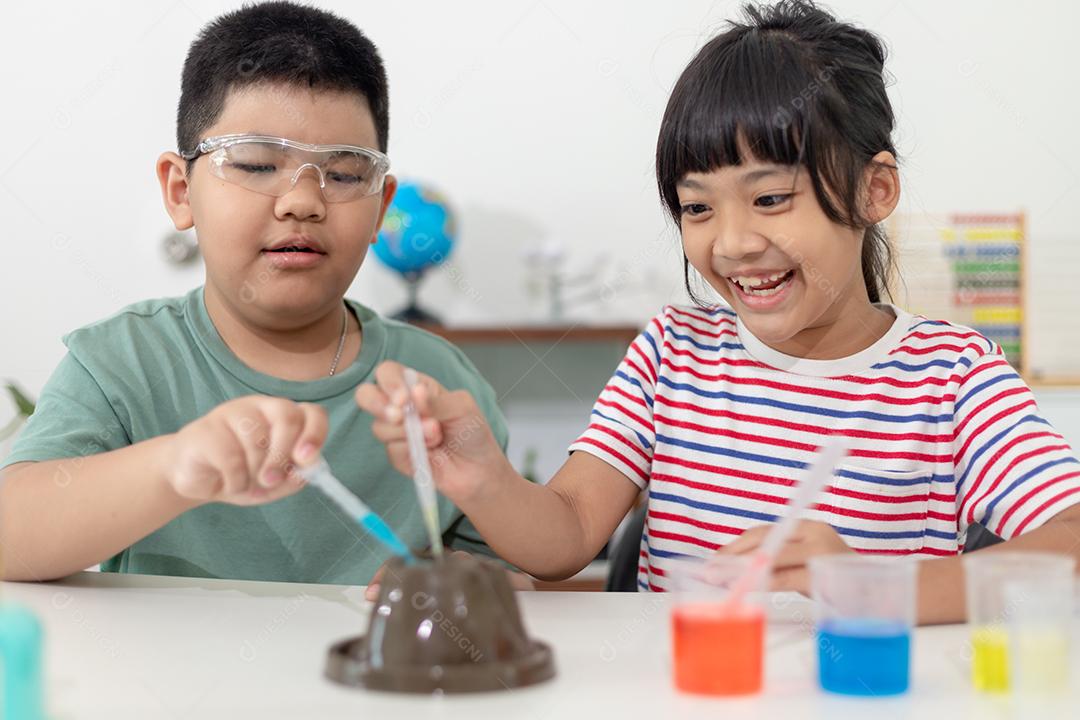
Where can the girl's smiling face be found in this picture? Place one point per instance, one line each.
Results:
(758, 235)
(775, 157)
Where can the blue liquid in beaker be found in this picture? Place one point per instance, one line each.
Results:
(864, 657)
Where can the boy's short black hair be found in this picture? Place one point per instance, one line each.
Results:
(277, 42)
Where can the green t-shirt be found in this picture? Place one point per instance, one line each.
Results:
(159, 364)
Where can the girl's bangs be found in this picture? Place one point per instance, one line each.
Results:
(749, 103)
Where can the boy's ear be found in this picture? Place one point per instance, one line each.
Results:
(389, 188)
(882, 183)
(172, 175)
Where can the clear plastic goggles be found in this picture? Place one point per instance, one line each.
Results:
(273, 165)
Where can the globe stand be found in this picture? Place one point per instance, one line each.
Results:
(412, 313)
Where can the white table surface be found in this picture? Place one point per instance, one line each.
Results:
(123, 646)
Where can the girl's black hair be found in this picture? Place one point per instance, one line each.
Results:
(796, 87)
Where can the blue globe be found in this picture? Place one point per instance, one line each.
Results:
(417, 232)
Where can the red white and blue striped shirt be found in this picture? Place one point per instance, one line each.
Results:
(719, 427)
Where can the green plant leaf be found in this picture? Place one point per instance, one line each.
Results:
(23, 403)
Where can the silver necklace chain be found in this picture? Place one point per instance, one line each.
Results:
(341, 341)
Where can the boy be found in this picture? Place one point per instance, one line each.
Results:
(165, 441)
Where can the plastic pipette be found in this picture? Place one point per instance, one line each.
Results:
(425, 484)
(319, 476)
(821, 470)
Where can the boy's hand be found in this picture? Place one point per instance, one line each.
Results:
(809, 539)
(463, 452)
(518, 581)
(243, 452)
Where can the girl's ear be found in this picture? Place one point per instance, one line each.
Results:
(882, 183)
(172, 175)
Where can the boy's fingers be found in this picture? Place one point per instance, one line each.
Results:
(313, 436)
(249, 433)
(286, 421)
(230, 458)
(291, 486)
(371, 592)
(197, 480)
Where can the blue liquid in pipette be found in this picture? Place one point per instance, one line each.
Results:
(864, 657)
(382, 532)
(321, 477)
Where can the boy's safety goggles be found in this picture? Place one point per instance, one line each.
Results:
(273, 165)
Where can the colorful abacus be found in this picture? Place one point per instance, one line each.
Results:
(966, 269)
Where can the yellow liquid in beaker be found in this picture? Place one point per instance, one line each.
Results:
(990, 659)
(1041, 661)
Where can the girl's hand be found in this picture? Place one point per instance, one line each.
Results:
(809, 539)
(465, 457)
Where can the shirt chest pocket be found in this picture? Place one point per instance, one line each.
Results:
(878, 510)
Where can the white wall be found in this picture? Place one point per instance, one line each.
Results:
(538, 119)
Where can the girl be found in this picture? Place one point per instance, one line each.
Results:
(775, 161)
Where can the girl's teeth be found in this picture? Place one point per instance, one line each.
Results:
(765, 293)
(748, 282)
(751, 290)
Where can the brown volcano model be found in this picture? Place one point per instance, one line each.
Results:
(450, 625)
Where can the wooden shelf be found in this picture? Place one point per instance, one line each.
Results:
(1051, 381)
(621, 334)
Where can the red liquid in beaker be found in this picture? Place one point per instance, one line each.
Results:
(718, 650)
